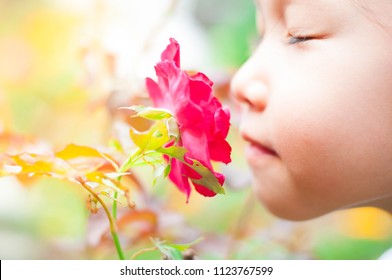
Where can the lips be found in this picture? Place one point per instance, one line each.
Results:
(257, 151)
(262, 149)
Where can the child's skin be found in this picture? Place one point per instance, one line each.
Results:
(317, 106)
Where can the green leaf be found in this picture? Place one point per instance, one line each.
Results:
(150, 113)
(186, 246)
(154, 138)
(175, 152)
(207, 179)
(115, 144)
(170, 252)
(167, 170)
(158, 172)
(174, 251)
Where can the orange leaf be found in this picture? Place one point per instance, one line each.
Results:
(145, 220)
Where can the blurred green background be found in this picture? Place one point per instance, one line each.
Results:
(65, 68)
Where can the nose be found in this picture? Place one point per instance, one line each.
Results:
(249, 86)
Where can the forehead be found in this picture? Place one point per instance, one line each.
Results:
(278, 9)
(276, 4)
(379, 8)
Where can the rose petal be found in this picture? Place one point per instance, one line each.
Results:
(222, 121)
(172, 52)
(220, 150)
(203, 190)
(176, 175)
(202, 77)
(155, 93)
(200, 91)
(196, 144)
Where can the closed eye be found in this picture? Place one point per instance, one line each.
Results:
(298, 39)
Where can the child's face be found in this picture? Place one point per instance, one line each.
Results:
(317, 105)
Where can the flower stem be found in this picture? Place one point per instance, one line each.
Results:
(240, 225)
(114, 206)
(112, 221)
(124, 167)
(117, 243)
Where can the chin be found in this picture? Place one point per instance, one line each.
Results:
(291, 213)
(286, 208)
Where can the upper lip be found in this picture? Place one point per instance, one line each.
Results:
(262, 144)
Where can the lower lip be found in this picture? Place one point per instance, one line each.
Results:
(255, 153)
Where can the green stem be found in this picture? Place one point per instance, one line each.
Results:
(113, 230)
(112, 221)
(113, 217)
(130, 160)
(114, 206)
(124, 167)
(117, 243)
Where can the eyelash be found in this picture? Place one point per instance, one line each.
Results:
(292, 40)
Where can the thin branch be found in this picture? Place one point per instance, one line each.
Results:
(112, 222)
(142, 251)
(240, 225)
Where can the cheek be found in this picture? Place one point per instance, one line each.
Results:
(308, 149)
(336, 151)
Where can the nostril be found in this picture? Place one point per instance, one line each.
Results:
(245, 101)
(239, 97)
(254, 94)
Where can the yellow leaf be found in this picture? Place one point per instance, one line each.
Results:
(154, 138)
(75, 151)
(106, 181)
